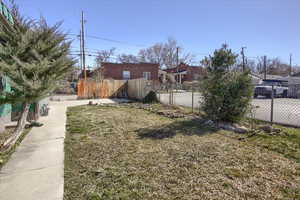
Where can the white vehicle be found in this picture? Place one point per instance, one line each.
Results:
(280, 89)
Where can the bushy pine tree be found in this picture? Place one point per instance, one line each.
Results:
(226, 93)
(34, 56)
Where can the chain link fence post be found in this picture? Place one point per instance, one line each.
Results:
(199, 99)
(159, 97)
(272, 105)
(170, 95)
(192, 99)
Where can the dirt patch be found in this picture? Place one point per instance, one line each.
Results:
(5, 135)
(129, 153)
(5, 155)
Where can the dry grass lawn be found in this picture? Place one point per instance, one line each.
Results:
(125, 153)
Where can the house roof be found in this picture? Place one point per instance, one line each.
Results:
(296, 74)
(129, 64)
(268, 76)
(294, 80)
(182, 67)
(290, 79)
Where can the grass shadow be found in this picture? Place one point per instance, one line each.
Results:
(183, 127)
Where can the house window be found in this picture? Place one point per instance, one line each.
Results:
(147, 75)
(126, 75)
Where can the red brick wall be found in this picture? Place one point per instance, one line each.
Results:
(115, 70)
(192, 72)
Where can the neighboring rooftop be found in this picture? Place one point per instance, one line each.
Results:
(122, 64)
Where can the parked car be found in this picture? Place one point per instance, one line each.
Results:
(280, 88)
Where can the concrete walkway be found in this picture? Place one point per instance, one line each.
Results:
(36, 170)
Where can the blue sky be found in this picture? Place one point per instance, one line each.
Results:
(265, 27)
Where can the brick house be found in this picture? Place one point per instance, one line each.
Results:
(127, 71)
(186, 72)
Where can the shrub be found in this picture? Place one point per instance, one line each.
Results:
(150, 98)
(226, 93)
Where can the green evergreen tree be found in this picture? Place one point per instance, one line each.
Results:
(226, 93)
(34, 56)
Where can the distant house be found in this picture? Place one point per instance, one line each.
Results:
(186, 72)
(127, 71)
(89, 74)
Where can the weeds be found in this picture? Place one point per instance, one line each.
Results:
(128, 153)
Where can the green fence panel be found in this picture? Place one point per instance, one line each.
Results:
(1, 8)
(6, 108)
(5, 11)
(19, 107)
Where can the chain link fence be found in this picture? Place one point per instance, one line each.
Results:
(280, 108)
(181, 95)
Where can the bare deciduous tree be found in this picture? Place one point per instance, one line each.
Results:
(105, 56)
(165, 54)
(128, 58)
(274, 66)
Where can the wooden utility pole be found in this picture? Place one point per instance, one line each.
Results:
(243, 55)
(291, 68)
(81, 60)
(83, 44)
(265, 67)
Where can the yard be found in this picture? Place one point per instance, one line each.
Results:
(127, 153)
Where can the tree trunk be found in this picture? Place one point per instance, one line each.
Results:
(19, 129)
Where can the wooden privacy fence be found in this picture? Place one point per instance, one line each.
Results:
(134, 89)
(139, 88)
(102, 89)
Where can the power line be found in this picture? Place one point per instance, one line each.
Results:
(202, 54)
(110, 40)
(79, 54)
(116, 41)
(95, 50)
(89, 53)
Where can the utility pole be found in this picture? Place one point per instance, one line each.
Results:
(265, 67)
(81, 62)
(291, 68)
(83, 44)
(243, 55)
